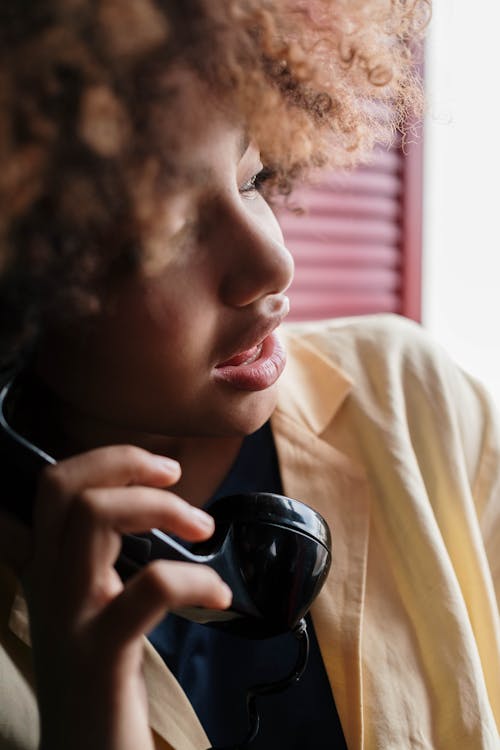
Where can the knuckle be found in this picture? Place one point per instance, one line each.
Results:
(106, 588)
(171, 505)
(131, 454)
(88, 505)
(159, 584)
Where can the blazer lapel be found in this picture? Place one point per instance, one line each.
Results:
(316, 473)
(170, 713)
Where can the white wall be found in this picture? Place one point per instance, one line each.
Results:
(461, 291)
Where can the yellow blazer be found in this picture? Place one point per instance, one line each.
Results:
(399, 450)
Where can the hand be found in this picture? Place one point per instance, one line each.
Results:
(86, 625)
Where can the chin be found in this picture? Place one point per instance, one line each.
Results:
(245, 414)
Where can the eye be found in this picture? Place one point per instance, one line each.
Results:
(254, 185)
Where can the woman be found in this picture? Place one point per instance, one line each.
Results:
(144, 278)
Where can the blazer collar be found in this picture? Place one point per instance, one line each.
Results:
(312, 388)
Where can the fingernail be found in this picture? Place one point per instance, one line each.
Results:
(167, 464)
(228, 593)
(202, 519)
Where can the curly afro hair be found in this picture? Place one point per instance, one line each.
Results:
(83, 97)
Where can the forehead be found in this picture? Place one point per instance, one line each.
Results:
(195, 124)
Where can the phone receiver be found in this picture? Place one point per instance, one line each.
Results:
(272, 551)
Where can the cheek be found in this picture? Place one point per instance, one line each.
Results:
(167, 328)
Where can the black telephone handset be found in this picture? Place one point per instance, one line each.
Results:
(272, 551)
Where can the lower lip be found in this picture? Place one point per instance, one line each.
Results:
(258, 375)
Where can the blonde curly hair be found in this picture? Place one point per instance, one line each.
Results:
(83, 98)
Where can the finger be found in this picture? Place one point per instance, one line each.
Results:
(92, 538)
(98, 518)
(159, 587)
(113, 465)
(15, 543)
(138, 509)
(118, 465)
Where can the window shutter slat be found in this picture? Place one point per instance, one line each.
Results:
(349, 242)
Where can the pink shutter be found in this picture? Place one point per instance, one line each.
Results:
(357, 247)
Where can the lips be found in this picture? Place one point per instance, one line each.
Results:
(253, 369)
(243, 358)
(258, 360)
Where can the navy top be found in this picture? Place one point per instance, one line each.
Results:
(215, 668)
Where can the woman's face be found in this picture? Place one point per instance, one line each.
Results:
(188, 349)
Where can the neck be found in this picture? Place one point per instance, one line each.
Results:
(205, 462)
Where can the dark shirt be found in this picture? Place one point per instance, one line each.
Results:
(215, 669)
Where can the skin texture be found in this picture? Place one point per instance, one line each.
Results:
(140, 383)
(143, 371)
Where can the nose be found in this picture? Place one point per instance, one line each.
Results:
(256, 263)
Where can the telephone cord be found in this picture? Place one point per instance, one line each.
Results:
(271, 688)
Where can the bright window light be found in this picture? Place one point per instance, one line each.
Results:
(461, 292)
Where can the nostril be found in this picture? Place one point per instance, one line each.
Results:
(259, 278)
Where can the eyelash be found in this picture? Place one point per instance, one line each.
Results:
(256, 183)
